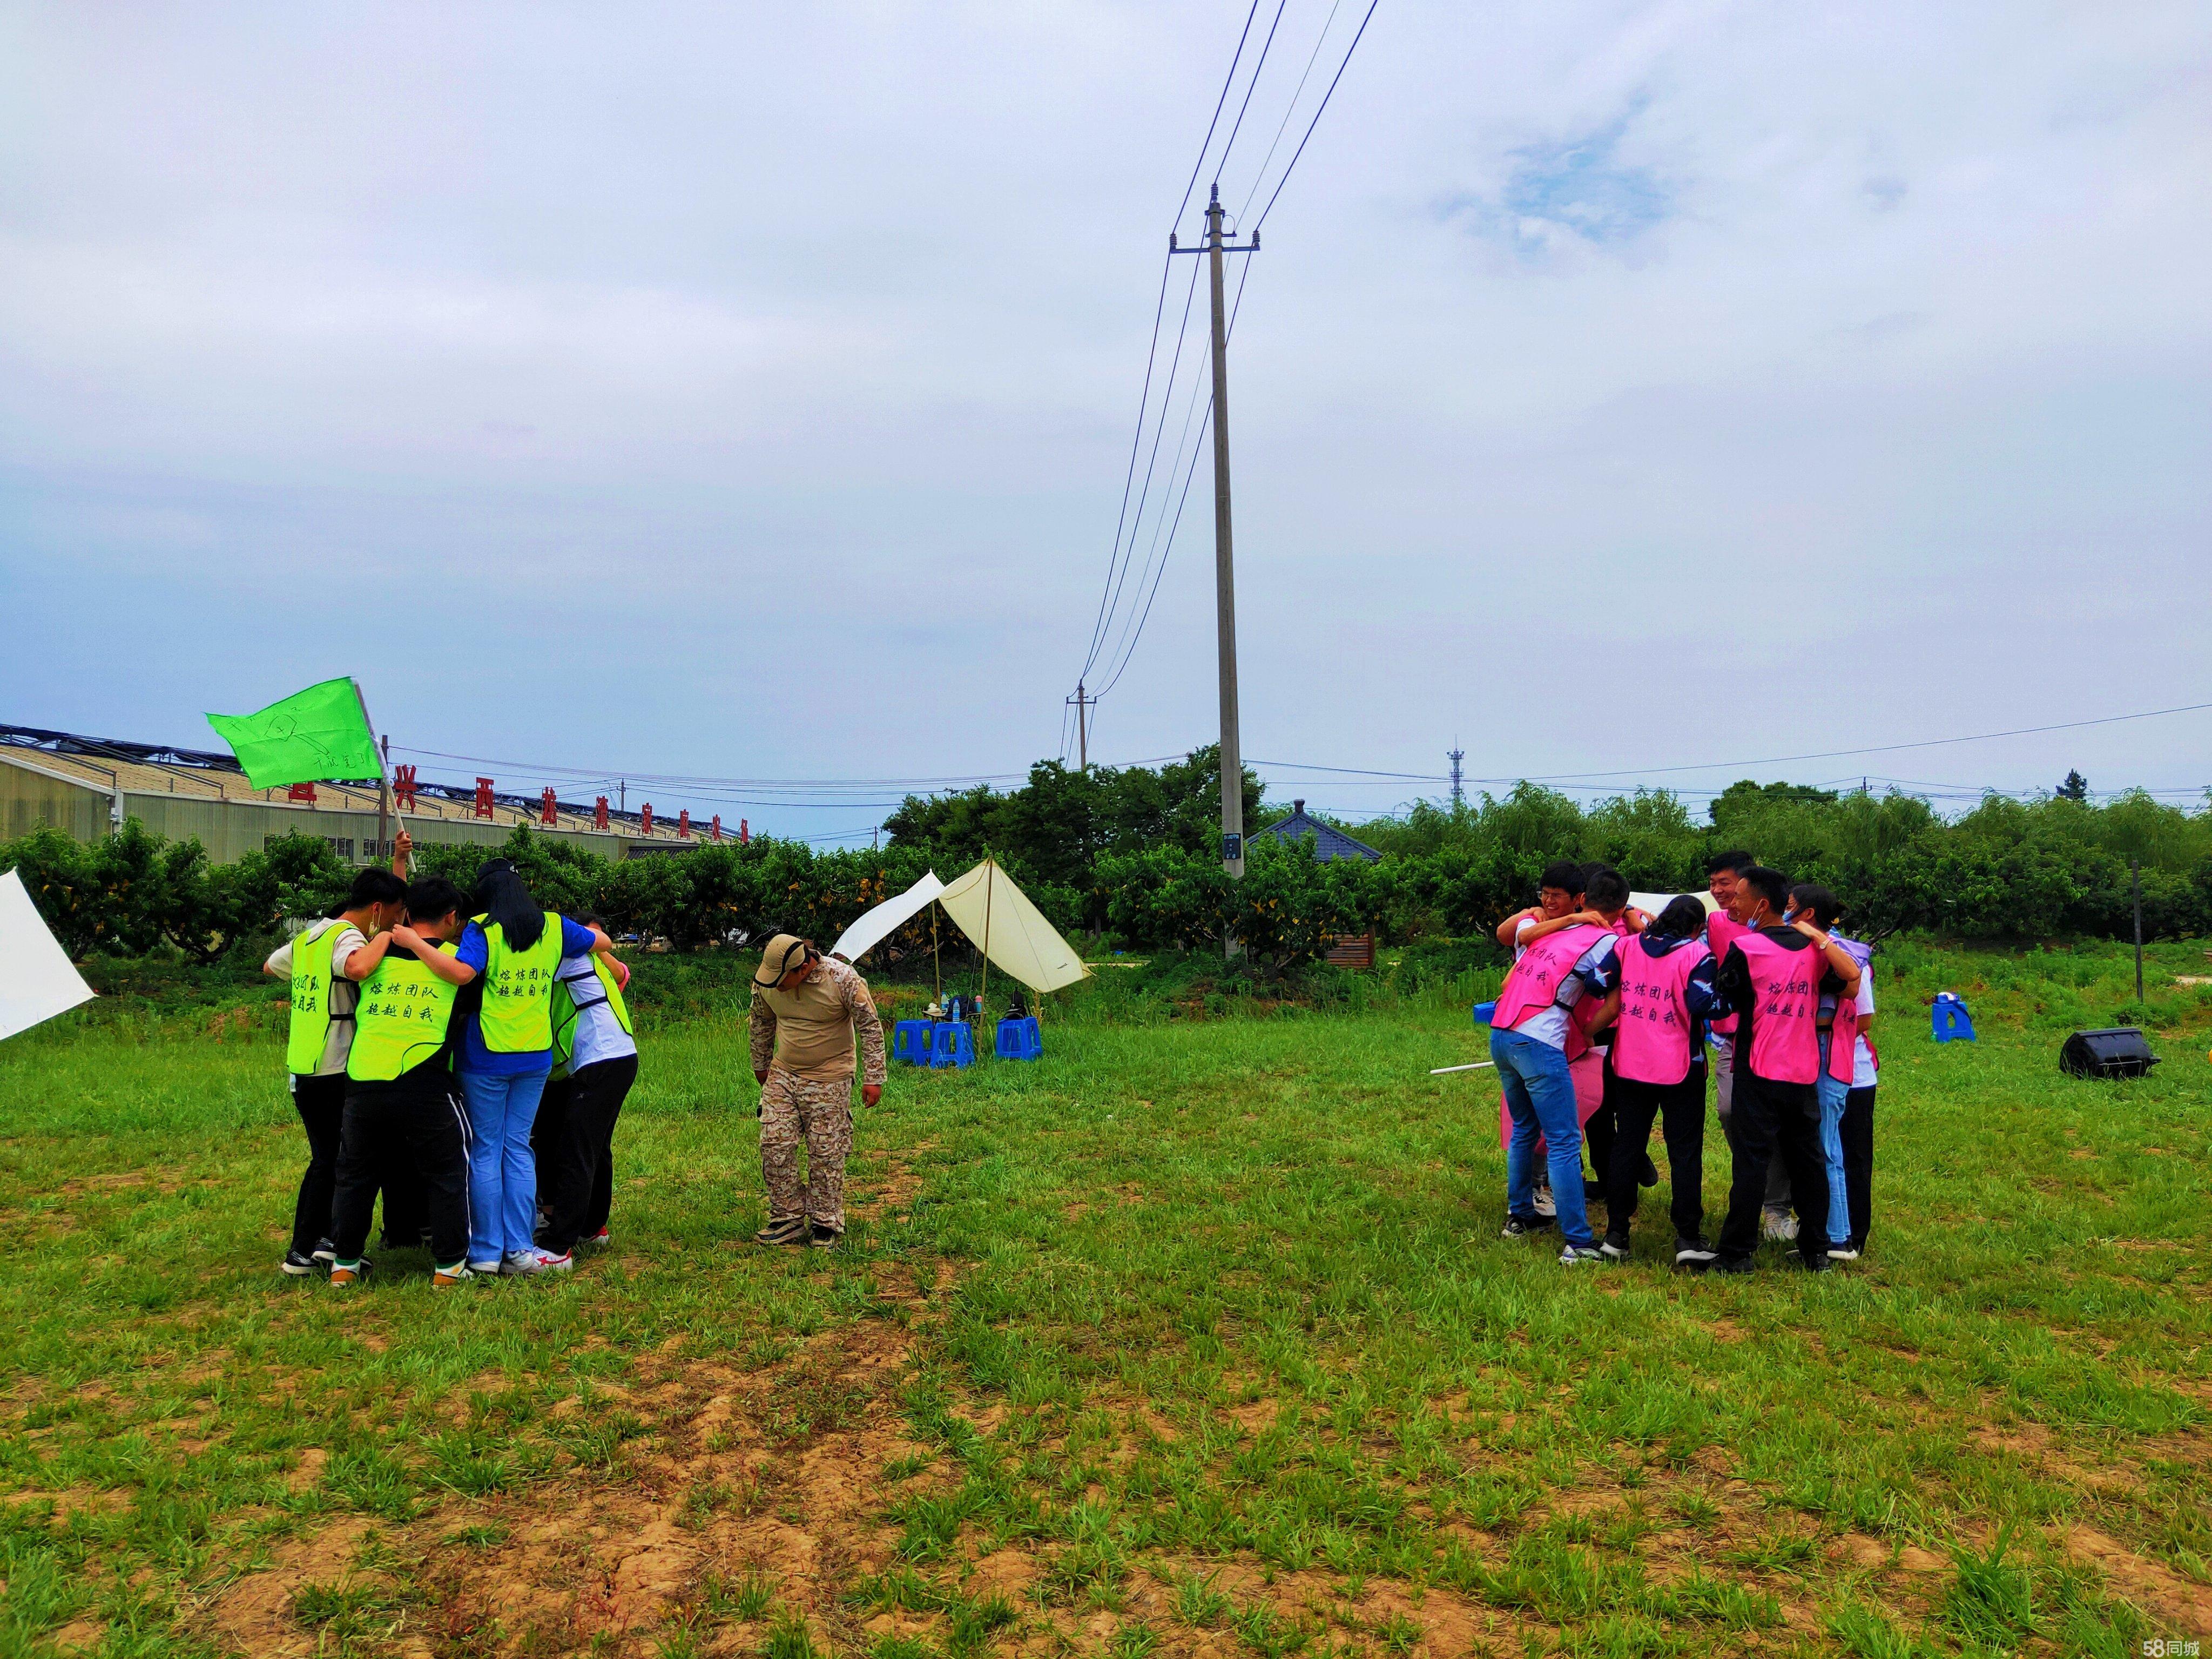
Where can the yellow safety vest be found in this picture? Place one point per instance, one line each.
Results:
(311, 999)
(404, 1012)
(566, 1008)
(517, 989)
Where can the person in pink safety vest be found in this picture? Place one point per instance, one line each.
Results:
(1722, 871)
(1665, 996)
(1605, 904)
(1773, 976)
(1537, 1028)
(1558, 894)
(1846, 1056)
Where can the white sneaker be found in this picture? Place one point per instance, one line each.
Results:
(1574, 1255)
(549, 1262)
(486, 1269)
(1544, 1205)
(523, 1264)
(1841, 1253)
(1782, 1226)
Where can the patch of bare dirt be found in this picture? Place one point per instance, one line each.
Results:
(253, 1612)
(2167, 1596)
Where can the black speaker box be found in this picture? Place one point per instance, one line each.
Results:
(2121, 1052)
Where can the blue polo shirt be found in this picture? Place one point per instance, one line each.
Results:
(576, 940)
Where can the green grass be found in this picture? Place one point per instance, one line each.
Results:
(1197, 1332)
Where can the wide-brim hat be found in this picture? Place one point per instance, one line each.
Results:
(785, 952)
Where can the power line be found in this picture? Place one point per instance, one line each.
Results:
(1318, 113)
(1250, 87)
(1313, 58)
(1228, 80)
(1136, 442)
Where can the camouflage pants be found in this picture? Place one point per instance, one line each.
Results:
(792, 1109)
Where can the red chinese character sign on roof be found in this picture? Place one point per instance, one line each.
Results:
(402, 787)
(684, 824)
(484, 798)
(549, 808)
(745, 831)
(599, 813)
(715, 829)
(302, 793)
(645, 819)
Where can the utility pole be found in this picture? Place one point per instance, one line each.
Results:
(1082, 728)
(1455, 755)
(1224, 570)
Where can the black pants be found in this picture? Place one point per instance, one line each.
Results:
(1857, 1130)
(1598, 1127)
(320, 1102)
(1772, 1121)
(574, 1141)
(420, 1112)
(1680, 1108)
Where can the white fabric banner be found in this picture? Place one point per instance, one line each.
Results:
(1010, 930)
(37, 979)
(873, 927)
(1654, 902)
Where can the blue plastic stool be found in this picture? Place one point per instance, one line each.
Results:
(1949, 1016)
(1483, 1011)
(911, 1041)
(951, 1044)
(1020, 1039)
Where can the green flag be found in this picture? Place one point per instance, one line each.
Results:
(318, 733)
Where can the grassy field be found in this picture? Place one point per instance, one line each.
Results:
(1195, 1338)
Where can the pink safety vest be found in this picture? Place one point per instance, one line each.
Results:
(1843, 1039)
(1785, 1031)
(1652, 1039)
(1533, 983)
(1722, 930)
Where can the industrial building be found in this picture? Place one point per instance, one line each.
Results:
(89, 786)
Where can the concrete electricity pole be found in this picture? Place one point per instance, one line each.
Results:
(1082, 728)
(1225, 571)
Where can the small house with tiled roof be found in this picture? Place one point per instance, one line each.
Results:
(1329, 841)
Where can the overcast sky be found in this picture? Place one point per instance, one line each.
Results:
(749, 391)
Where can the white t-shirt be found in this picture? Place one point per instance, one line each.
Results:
(344, 994)
(1549, 1025)
(598, 1034)
(1864, 1073)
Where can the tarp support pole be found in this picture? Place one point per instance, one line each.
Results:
(990, 869)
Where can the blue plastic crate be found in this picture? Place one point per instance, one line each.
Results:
(1949, 1019)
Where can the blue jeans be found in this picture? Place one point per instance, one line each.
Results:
(1832, 1095)
(502, 1173)
(1539, 1096)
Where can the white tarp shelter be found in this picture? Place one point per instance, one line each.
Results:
(37, 980)
(873, 927)
(1011, 931)
(994, 913)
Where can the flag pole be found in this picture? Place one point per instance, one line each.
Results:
(383, 790)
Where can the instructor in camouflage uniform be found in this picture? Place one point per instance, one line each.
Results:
(806, 1008)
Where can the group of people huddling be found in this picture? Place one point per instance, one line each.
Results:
(467, 1054)
(1604, 1026)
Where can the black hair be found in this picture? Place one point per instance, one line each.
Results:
(502, 898)
(1682, 918)
(1605, 888)
(1738, 861)
(374, 887)
(1824, 905)
(1563, 873)
(433, 898)
(1770, 884)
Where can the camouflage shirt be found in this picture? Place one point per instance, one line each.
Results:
(805, 1026)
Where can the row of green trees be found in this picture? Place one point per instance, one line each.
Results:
(1133, 854)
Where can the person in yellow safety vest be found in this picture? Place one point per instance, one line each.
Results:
(594, 1065)
(399, 1083)
(324, 994)
(504, 1055)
